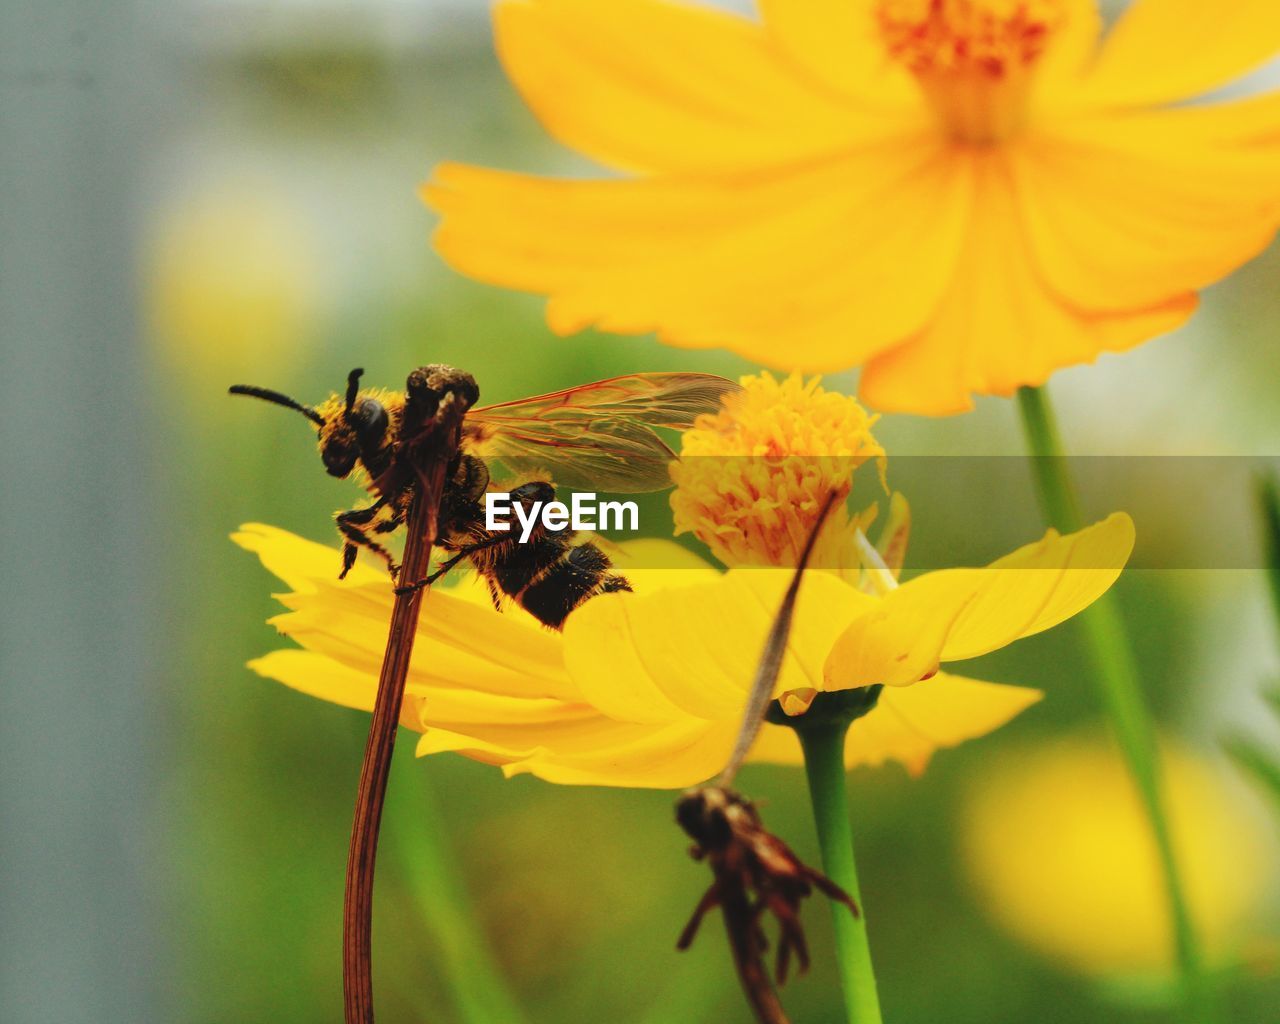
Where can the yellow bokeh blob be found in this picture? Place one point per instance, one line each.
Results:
(1059, 853)
(231, 279)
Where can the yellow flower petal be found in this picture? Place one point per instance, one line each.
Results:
(1053, 579)
(300, 562)
(1124, 213)
(509, 731)
(319, 676)
(962, 613)
(641, 84)
(745, 261)
(573, 742)
(1243, 124)
(692, 651)
(460, 643)
(999, 326)
(1069, 54)
(650, 756)
(1162, 51)
(838, 42)
(910, 724)
(650, 564)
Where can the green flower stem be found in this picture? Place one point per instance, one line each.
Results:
(466, 965)
(1268, 486)
(1116, 675)
(823, 744)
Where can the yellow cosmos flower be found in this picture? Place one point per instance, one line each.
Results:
(753, 478)
(647, 688)
(960, 195)
(1058, 851)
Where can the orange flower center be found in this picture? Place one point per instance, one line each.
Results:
(974, 59)
(753, 477)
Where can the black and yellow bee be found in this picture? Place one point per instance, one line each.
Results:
(598, 436)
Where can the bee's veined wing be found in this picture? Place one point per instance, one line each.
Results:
(597, 436)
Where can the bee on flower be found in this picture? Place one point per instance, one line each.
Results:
(646, 688)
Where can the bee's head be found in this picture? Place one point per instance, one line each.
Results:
(355, 426)
(350, 426)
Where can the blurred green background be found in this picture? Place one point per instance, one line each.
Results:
(202, 194)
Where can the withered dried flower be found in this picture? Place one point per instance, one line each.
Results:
(756, 873)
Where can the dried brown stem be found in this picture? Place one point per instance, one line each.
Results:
(745, 859)
(761, 692)
(744, 938)
(430, 463)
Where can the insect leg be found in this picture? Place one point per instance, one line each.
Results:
(354, 527)
(791, 937)
(710, 900)
(448, 564)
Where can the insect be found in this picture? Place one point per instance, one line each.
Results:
(755, 873)
(747, 860)
(599, 436)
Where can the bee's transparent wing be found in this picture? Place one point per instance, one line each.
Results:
(597, 436)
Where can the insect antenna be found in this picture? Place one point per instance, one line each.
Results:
(353, 389)
(267, 395)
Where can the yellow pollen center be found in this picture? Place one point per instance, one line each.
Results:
(973, 59)
(753, 477)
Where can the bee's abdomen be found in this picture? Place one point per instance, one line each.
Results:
(515, 567)
(580, 573)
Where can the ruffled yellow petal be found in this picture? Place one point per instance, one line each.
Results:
(999, 326)
(509, 731)
(522, 734)
(1128, 212)
(962, 613)
(300, 562)
(1162, 51)
(1242, 125)
(838, 43)
(650, 565)
(656, 86)
(909, 724)
(460, 643)
(1068, 56)
(651, 756)
(693, 651)
(1040, 585)
(815, 266)
(319, 676)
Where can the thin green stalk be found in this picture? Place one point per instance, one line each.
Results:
(1116, 675)
(466, 965)
(823, 746)
(1268, 487)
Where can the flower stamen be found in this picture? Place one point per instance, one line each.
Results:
(752, 479)
(974, 59)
